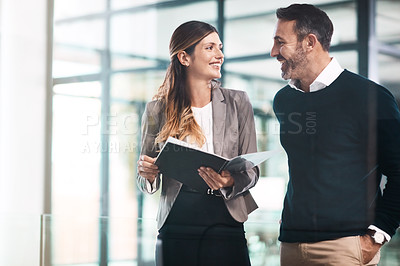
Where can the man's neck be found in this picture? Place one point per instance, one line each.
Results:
(314, 70)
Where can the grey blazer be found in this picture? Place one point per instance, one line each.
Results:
(233, 134)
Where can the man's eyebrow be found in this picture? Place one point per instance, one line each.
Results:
(277, 37)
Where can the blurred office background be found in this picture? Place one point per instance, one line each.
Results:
(74, 79)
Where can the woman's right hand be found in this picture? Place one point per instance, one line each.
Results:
(147, 168)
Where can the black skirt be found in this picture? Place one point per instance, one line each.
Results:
(199, 231)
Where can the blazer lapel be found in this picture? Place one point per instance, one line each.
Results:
(219, 115)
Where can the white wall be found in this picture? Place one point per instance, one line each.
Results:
(23, 122)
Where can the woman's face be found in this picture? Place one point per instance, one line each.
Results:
(206, 60)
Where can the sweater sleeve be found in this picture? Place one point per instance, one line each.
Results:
(387, 215)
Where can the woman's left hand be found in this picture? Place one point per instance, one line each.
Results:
(214, 180)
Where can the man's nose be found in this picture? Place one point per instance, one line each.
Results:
(274, 51)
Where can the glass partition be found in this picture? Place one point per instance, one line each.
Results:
(131, 242)
(109, 58)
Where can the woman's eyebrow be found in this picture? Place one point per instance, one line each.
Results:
(213, 43)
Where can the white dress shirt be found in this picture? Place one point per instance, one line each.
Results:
(330, 73)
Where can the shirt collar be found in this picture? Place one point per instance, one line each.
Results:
(324, 79)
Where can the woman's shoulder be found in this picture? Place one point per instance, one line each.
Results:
(227, 92)
(155, 111)
(234, 94)
(155, 106)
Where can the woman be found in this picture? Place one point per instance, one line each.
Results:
(197, 228)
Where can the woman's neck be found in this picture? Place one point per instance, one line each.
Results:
(200, 92)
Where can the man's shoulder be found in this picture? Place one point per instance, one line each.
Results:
(364, 84)
(285, 89)
(354, 78)
(282, 99)
(284, 92)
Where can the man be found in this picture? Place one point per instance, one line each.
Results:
(341, 133)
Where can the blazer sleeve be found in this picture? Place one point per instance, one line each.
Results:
(150, 128)
(244, 180)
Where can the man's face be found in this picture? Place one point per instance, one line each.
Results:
(289, 51)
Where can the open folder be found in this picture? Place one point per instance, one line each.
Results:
(178, 160)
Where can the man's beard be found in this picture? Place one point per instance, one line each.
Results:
(290, 65)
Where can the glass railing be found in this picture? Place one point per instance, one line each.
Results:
(101, 241)
(110, 241)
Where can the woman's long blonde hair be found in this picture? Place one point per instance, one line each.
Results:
(180, 121)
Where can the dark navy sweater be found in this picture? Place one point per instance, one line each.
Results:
(339, 142)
